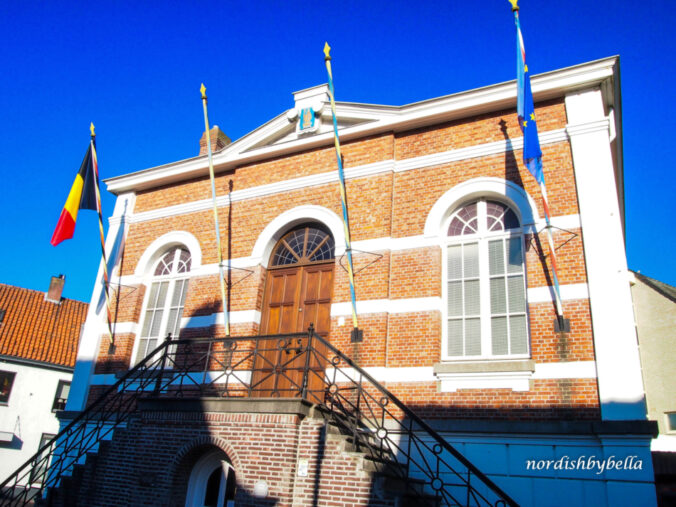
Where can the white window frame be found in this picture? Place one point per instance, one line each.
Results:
(483, 237)
(199, 476)
(670, 428)
(172, 278)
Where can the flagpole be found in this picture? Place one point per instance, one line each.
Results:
(535, 165)
(221, 275)
(356, 333)
(106, 283)
(550, 241)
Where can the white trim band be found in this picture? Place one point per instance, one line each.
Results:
(371, 306)
(568, 292)
(411, 374)
(410, 305)
(385, 166)
(383, 244)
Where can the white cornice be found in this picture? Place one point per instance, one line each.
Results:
(588, 128)
(377, 119)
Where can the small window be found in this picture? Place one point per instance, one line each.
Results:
(61, 396)
(6, 382)
(671, 422)
(38, 471)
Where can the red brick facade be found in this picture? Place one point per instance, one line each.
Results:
(385, 205)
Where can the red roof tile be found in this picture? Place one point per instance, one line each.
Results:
(36, 329)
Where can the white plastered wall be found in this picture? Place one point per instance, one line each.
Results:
(28, 413)
(618, 365)
(95, 325)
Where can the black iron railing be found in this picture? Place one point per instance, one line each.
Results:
(397, 442)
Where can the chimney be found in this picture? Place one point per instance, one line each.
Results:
(55, 289)
(218, 141)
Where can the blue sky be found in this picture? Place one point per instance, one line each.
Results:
(135, 68)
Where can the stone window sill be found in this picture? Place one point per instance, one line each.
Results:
(514, 375)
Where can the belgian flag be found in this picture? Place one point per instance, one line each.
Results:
(83, 195)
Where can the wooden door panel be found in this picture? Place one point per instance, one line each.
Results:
(312, 281)
(276, 290)
(294, 298)
(316, 306)
(323, 318)
(273, 319)
(279, 315)
(290, 288)
(316, 298)
(326, 286)
(288, 323)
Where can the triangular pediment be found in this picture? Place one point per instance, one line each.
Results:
(311, 117)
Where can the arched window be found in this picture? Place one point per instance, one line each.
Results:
(303, 245)
(485, 283)
(212, 482)
(165, 301)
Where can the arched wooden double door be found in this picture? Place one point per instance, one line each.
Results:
(298, 290)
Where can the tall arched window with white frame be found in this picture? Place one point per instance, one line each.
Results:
(166, 299)
(485, 286)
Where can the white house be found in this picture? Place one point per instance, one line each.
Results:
(38, 345)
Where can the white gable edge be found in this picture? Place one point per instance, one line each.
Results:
(374, 119)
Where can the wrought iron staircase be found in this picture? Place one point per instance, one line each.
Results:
(405, 453)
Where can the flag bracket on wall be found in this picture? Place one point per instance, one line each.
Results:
(229, 269)
(561, 325)
(357, 271)
(571, 236)
(116, 288)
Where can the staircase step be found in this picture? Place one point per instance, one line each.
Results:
(417, 501)
(77, 473)
(401, 486)
(383, 466)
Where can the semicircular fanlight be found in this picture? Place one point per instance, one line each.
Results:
(303, 245)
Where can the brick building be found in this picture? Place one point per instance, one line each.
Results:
(454, 298)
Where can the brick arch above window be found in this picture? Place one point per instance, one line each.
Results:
(283, 223)
(501, 190)
(204, 442)
(165, 243)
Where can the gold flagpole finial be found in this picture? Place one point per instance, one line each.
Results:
(514, 6)
(327, 49)
(91, 129)
(203, 89)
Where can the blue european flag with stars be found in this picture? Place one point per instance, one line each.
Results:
(532, 154)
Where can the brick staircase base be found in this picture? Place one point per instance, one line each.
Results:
(142, 463)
